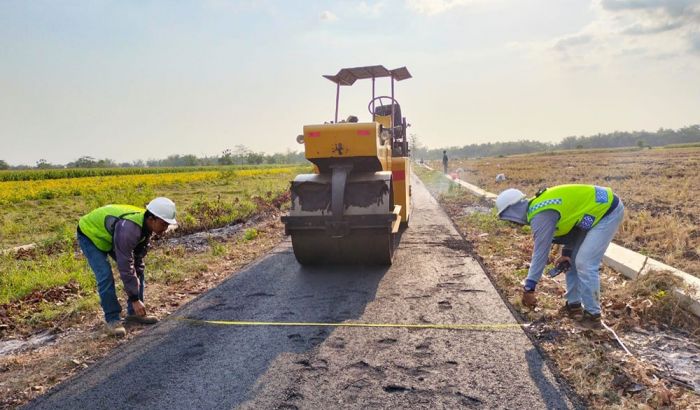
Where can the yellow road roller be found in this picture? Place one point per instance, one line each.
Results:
(350, 209)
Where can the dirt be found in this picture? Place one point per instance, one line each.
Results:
(33, 360)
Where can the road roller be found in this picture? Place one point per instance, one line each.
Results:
(350, 209)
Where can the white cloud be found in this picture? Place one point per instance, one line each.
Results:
(695, 43)
(327, 15)
(373, 10)
(431, 7)
(575, 40)
(628, 29)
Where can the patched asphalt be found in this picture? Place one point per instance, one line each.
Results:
(178, 364)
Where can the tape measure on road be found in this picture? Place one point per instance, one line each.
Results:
(474, 326)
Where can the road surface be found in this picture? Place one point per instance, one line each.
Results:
(183, 365)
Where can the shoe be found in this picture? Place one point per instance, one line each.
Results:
(572, 310)
(144, 320)
(115, 328)
(590, 321)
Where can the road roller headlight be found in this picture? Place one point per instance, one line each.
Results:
(300, 138)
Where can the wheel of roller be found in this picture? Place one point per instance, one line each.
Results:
(309, 247)
(360, 247)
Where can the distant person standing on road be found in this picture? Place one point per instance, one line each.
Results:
(444, 161)
(123, 232)
(584, 218)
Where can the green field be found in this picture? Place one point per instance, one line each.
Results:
(224, 196)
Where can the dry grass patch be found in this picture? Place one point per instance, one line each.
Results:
(645, 314)
(659, 187)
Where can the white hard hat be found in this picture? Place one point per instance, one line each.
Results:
(507, 198)
(163, 208)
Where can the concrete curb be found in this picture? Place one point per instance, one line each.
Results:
(627, 262)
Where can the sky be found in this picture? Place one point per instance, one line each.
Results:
(141, 79)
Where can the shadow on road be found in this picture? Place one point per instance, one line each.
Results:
(180, 364)
(551, 394)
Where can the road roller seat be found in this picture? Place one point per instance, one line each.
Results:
(385, 110)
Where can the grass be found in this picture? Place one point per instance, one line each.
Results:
(41, 174)
(658, 187)
(250, 234)
(21, 277)
(688, 145)
(203, 204)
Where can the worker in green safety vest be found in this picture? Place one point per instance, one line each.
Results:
(123, 232)
(583, 218)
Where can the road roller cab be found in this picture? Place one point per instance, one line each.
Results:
(350, 209)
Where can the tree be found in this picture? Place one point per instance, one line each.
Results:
(225, 158)
(4, 165)
(44, 164)
(254, 158)
(83, 162)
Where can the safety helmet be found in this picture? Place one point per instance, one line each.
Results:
(163, 208)
(507, 198)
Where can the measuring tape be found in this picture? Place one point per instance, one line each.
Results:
(475, 326)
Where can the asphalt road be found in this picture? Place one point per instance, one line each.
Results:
(179, 364)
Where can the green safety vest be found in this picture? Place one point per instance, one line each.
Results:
(98, 225)
(579, 206)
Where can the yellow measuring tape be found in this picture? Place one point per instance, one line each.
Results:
(475, 326)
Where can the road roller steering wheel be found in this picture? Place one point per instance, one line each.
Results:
(372, 103)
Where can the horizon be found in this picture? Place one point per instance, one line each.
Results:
(119, 79)
(428, 148)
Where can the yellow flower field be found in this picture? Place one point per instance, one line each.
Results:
(16, 191)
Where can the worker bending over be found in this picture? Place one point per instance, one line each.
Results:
(584, 218)
(123, 232)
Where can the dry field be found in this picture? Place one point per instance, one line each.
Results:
(660, 188)
(664, 339)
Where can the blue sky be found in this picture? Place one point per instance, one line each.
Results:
(144, 79)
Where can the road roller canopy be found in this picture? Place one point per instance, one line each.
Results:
(348, 76)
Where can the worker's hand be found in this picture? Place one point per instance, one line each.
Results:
(139, 308)
(563, 259)
(529, 299)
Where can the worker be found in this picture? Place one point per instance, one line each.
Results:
(444, 161)
(123, 232)
(583, 218)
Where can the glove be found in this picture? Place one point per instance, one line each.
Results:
(529, 299)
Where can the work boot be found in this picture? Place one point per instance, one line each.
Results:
(590, 321)
(115, 329)
(572, 310)
(144, 320)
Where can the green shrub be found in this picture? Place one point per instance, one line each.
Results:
(250, 234)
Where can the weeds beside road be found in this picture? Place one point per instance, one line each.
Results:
(644, 313)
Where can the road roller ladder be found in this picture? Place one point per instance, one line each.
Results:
(351, 208)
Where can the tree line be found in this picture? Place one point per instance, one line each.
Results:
(685, 135)
(239, 155)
